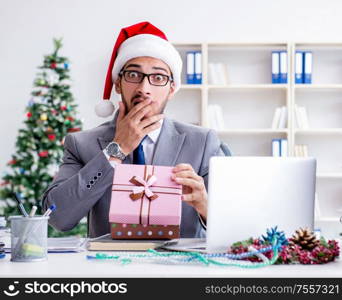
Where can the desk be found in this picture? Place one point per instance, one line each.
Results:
(76, 265)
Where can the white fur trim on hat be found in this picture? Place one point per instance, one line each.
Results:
(104, 108)
(153, 46)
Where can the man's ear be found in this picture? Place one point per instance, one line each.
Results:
(118, 85)
(172, 91)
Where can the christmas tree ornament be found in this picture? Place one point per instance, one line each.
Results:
(29, 115)
(51, 137)
(53, 65)
(43, 154)
(305, 238)
(290, 252)
(43, 117)
(142, 39)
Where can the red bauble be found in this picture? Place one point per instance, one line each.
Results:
(63, 107)
(43, 153)
(70, 118)
(51, 137)
(53, 66)
(74, 129)
(12, 162)
(29, 114)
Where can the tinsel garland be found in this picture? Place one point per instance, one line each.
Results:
(274, 248)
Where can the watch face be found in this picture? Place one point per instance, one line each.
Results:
(113, 149)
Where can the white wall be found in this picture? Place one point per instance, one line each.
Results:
(89, 29)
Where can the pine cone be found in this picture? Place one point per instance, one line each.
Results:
(305, 238)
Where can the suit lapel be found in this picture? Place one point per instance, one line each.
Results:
(168, 146)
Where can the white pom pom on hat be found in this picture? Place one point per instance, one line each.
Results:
(142, 39)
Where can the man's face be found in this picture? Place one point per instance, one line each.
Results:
(133, 93)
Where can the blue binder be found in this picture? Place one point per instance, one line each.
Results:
(299, 67)
(190, 67)
(276, 148)
(198, 67)
(283, 66)
(275, 67)
(307, 67)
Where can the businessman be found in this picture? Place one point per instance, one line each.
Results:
(145, 69)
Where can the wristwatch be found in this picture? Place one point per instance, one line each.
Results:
(113, 149)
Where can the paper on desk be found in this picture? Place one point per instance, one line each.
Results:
(55, 245)
(65, 244)
(186, 244)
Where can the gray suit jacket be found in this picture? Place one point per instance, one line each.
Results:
(83, 184)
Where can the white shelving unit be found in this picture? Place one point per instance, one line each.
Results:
(249, 100)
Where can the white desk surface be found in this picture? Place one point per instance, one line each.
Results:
(76, 265)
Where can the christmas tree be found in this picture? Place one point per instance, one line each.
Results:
(50, 116)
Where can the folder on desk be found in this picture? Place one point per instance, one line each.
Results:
(275, 67)
(190, 67)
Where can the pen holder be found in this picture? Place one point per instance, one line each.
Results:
(28, 238)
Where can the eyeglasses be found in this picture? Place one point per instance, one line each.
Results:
(138, 77)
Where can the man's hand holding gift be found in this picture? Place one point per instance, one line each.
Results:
(194, 191)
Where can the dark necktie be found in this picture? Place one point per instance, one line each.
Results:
(138, 154)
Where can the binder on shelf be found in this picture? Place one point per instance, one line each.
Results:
(198, 67)
(279, 147)
(301, 117)
(283, 148)
(217, 74)
(307, 67)
(215, 117)
(276, 118)
(283, 118)
(276, 148)
(190, 67)
(299, 67)
(275, 67)
(283, 67)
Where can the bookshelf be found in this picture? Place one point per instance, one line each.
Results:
(249, 99)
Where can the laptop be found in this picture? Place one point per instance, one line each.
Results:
(247, 195)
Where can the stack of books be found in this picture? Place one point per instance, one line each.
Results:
(106, 243)
(280, 118)
(301, 117)
(218, 74)
(301, 150)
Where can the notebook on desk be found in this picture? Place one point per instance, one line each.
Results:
(106, 243)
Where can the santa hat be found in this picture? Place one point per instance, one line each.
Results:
(142, 39)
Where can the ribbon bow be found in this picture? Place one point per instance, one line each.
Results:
(143, 187)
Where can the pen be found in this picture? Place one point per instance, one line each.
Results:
(33, 211)
(20, 204)
(50, 210)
